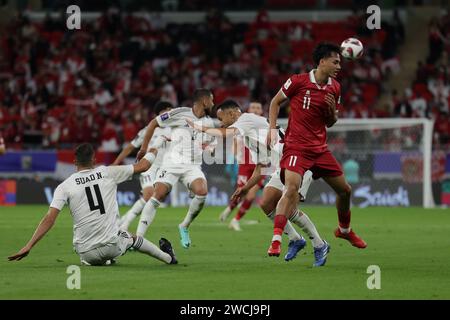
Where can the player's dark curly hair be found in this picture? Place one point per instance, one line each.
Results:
(201, 93)
(324, 50)
(84, 154)
(228, 104)
(161, 106)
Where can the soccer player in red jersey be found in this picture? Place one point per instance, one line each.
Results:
(314, 99)
(245, 171)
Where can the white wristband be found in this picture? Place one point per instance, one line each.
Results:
(150, 157)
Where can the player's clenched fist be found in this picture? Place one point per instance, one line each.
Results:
(239, 194)
(331, 102)
(141, 153)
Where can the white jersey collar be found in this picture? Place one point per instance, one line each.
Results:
(312, 78)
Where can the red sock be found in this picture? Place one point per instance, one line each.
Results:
(233, 204)
(243, 209)
(344, 219)
(279, 223)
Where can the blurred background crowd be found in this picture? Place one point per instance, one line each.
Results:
(59, 87)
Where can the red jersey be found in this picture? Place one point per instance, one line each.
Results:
(246, 168)
(308, 117)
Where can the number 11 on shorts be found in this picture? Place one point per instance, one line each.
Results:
(292, 161)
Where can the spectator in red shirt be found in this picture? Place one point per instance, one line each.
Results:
(109, 138)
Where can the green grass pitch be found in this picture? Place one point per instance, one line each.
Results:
(411, 247)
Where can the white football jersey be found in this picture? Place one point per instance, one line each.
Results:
(254, 129)
(186, 143)
(157, 140)
(243, 154)
(92, 199)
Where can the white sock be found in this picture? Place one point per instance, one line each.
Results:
(147, 216)
(303, 221)
(288, 229)
(225, 213)
(277, 237)
(194, 209)
(345, 230)
(145, 246)
(131, 214)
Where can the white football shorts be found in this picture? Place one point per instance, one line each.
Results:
(147, 178)
(115, 248)
(275, 182)
(186, 175)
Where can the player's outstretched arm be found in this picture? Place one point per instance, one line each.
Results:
(254, 179)
(44, 226)
(274, 109)
(146, 162)
(148, 136)
(215, 132)
(123, 154)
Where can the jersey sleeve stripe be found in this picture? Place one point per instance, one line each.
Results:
(177, 111)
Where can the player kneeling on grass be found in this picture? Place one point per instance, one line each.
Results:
(254, 129)
(91, 194)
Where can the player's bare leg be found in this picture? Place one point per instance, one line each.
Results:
(147, 193)
(200, 189)
(161, 190)
(344, 193)
(136, 209)
(227, 211)
(285, 207)
(245, 205)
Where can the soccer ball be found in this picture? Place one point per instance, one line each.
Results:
(352, 48)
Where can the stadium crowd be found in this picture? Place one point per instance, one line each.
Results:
(99, 84)
(429, 95)
(201, 5)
